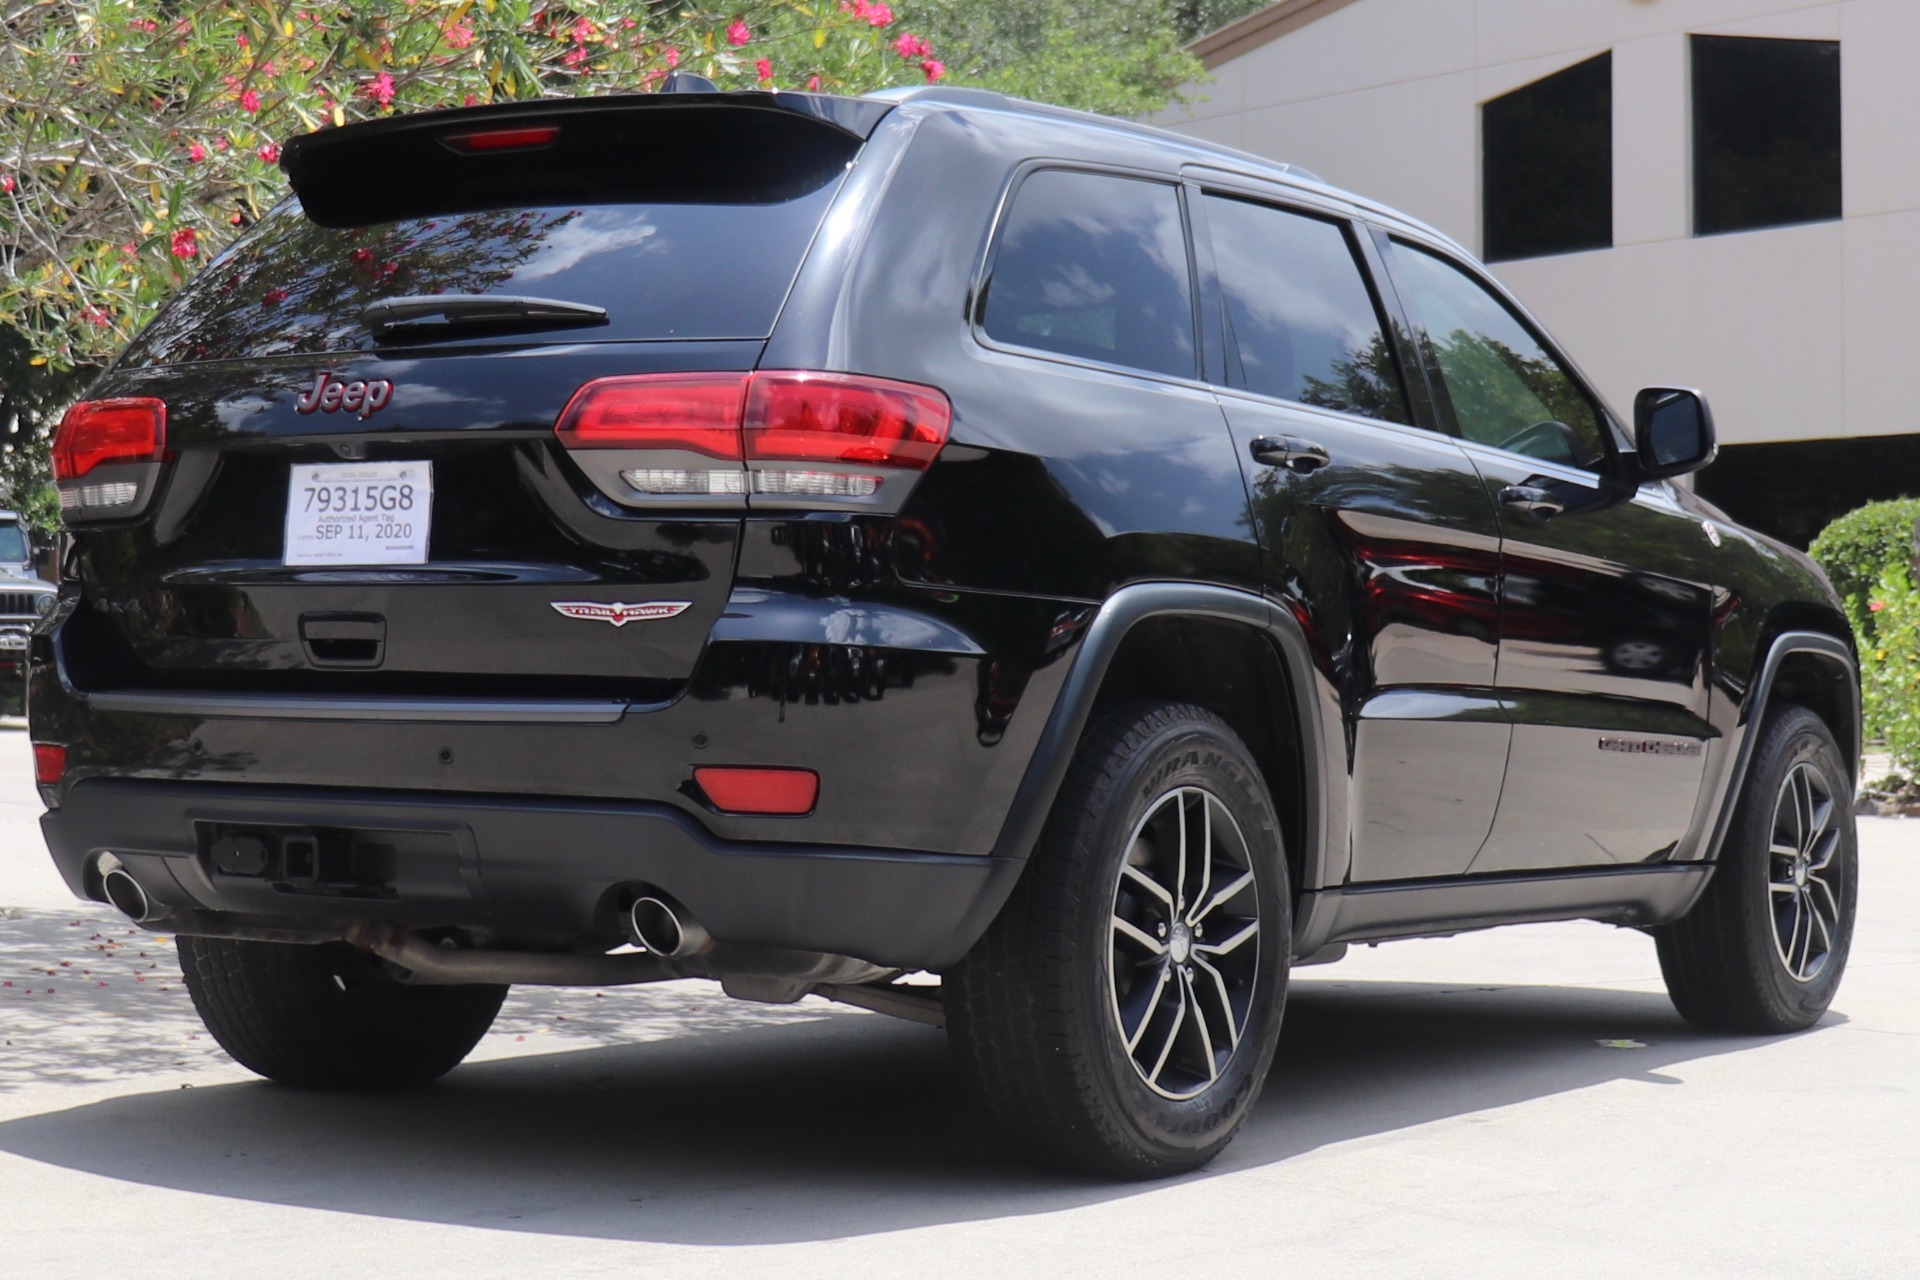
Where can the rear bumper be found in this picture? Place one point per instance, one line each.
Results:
(531, 867)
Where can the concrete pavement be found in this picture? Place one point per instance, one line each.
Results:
(1515, 1103)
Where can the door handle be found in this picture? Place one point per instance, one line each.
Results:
(1300, 456)
(1533, 500)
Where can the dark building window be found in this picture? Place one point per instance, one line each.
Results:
(1549, 164)
(1795, 489)
(1766, 133)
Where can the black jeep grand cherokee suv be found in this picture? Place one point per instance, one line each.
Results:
(804, 541)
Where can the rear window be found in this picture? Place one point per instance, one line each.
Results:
(681, 255)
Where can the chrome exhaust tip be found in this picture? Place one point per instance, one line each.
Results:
(662, 926)
(124, 892)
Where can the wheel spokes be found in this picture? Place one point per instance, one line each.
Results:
(1217, 989)
(1147, 1013)
(1184, 955)
(1227, 946)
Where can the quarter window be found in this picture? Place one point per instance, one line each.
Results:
(1095, 266)
(1504, 387)
(1301, 322)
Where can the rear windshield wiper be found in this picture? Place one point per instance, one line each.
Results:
(432, 314)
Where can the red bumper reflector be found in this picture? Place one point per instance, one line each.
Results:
(782, 791)
(49, 763)
(99, 431)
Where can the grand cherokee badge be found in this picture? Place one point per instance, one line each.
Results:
(621, 614)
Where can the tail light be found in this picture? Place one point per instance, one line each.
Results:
(49, 763)
(773, 440)
(107, 456)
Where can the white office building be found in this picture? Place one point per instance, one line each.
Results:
(1716, 193)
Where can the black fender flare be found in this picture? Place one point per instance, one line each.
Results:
(1316, 715)
(1832, 651)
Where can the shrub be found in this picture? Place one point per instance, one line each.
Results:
(1859, 549)
(1890, 671)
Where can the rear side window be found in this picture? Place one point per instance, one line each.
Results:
(1095, 266)
(1301, 322)
(623, 214)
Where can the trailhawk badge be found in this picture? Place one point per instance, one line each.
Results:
(621, 614)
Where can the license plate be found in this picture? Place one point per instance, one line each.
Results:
(359, 513)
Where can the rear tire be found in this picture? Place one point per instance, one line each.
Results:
(1121, 1013)
(330, 1017)
(1763, 950)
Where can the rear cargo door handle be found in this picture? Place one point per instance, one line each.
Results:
(1301, 456)
(1533, 500)
(344, 639)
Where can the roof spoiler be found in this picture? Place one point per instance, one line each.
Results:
(429, 162)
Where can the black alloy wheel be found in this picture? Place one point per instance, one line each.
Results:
(1121, 1013)
(1763, 950)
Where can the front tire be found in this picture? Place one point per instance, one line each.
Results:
(1121, 1013)
(330, 1017)
(1763, 950)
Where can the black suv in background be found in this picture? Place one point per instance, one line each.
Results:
(806, 542)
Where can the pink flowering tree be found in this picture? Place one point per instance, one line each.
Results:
(137, 137)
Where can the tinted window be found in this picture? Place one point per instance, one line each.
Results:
(1766, 132)
(13, 543)
(1096, 267)
(664, 270)
(1302, 324)
(1548, 170)
(1505, 389)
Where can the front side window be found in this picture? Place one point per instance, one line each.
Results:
(1505, 388)
(1095, 267)
(1301, 323)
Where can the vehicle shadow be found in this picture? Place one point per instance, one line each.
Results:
(842, 1124)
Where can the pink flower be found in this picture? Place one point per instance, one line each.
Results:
(934, 69)
(147, 25)
(911, 46)
(574, 56)
(184, 245)
(196, 153)
(269, 152)
(673, 57)
(764, 69)
(459, 35)
(219, 144)
(380, 88)
(813, 84)
(1875, 606)
(879, 15)
(249, 101)
(738, 34)
(240, 40)
(583, 31)
(470, 100)
(96, 315)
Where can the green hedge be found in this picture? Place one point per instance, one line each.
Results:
(1868, 553)
(1859, 548)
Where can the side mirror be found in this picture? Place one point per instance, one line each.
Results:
(1672, 432)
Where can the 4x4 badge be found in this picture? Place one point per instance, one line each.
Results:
(621, 614)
